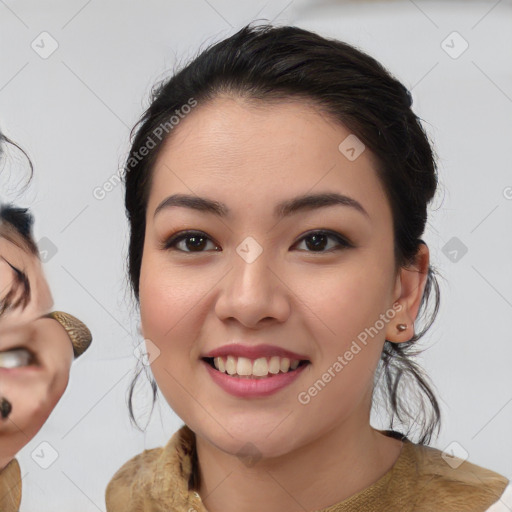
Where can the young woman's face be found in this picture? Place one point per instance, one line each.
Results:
(258, 277)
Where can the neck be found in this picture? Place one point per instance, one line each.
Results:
(340, 463)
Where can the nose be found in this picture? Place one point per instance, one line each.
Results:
(252, 293)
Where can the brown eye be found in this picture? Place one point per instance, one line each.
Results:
(317, 241)
(193, 241)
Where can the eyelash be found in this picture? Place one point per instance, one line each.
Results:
(170, 243)
(20, 280)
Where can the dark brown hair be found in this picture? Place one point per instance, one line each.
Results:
(268, 63)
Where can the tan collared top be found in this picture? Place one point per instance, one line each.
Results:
(421, 480)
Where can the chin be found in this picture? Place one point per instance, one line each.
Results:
(250, 441)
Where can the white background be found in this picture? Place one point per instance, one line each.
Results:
(73, 110)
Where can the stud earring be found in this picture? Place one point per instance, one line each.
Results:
(401, 327)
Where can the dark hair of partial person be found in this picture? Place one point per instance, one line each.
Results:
(7, 142)
(16, 226)
(265, 63)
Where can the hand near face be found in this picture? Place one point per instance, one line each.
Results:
(36, 349)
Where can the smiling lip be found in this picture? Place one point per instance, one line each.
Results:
(253, 388)
(32, 366)
(253, 352)
(18, 353)
(29, 371)
(21, 371)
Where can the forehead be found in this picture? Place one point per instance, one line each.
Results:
(263, 151)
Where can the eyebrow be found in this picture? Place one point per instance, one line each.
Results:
(283, 209)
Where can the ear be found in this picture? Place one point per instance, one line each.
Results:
(409, 288)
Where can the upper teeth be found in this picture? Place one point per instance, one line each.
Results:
(259, 367)
(15, 358)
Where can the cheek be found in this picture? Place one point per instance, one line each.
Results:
(166, 325)
(164, 298)
(346, 305)
(346, 301)
(172, 313)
